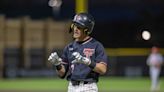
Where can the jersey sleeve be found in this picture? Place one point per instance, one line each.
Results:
(100, 54)
(65, 55)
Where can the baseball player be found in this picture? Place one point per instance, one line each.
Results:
(84, 59)
(155, 61)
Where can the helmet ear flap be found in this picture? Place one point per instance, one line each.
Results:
(71, 27)
(86, 31)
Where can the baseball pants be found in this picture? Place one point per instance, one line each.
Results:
(154, 73)
(91, 87)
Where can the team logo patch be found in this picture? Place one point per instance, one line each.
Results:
(88, 52)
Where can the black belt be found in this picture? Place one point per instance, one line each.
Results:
(75, 83)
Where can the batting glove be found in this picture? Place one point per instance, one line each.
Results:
(80, 59)
(54, 59)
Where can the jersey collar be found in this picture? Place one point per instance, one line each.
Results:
(86, 41)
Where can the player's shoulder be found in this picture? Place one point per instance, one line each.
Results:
(96, 42)
(69, 44)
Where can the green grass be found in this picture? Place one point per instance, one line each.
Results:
(105, 83)
(136, 84)
(33, 84)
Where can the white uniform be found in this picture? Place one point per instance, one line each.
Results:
(155, 61)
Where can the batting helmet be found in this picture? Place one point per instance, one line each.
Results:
(84, 21)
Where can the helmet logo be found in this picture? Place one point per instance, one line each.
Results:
(85, 18)
(77, 18)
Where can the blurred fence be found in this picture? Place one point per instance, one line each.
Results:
(25, 45)
(129, 62)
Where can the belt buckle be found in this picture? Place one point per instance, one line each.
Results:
(84, 82)
(81, 82)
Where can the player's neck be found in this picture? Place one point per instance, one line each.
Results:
(83, 39)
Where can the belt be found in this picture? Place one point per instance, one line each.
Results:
(76, 83)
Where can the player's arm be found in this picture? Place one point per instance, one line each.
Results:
(61, 71)
(101, 60)
(100, 68)
(148, 61)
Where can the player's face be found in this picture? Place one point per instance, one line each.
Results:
(78, 33)
(155, 50)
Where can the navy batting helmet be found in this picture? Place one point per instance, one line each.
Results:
(84, 21)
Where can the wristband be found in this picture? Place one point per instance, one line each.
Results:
(58, 67)
(92, 65)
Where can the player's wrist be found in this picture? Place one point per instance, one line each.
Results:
(92, 65)
(58, 67)
(86, 61)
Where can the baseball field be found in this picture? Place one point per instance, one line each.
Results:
(106, 84)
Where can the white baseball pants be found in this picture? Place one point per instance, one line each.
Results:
(91, 87)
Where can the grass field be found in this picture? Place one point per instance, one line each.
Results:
(106, 84)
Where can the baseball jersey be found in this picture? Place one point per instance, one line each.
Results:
(90, 48)
(154, 59)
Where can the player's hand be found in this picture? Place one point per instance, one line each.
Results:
(54, 59)
(80, 59)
